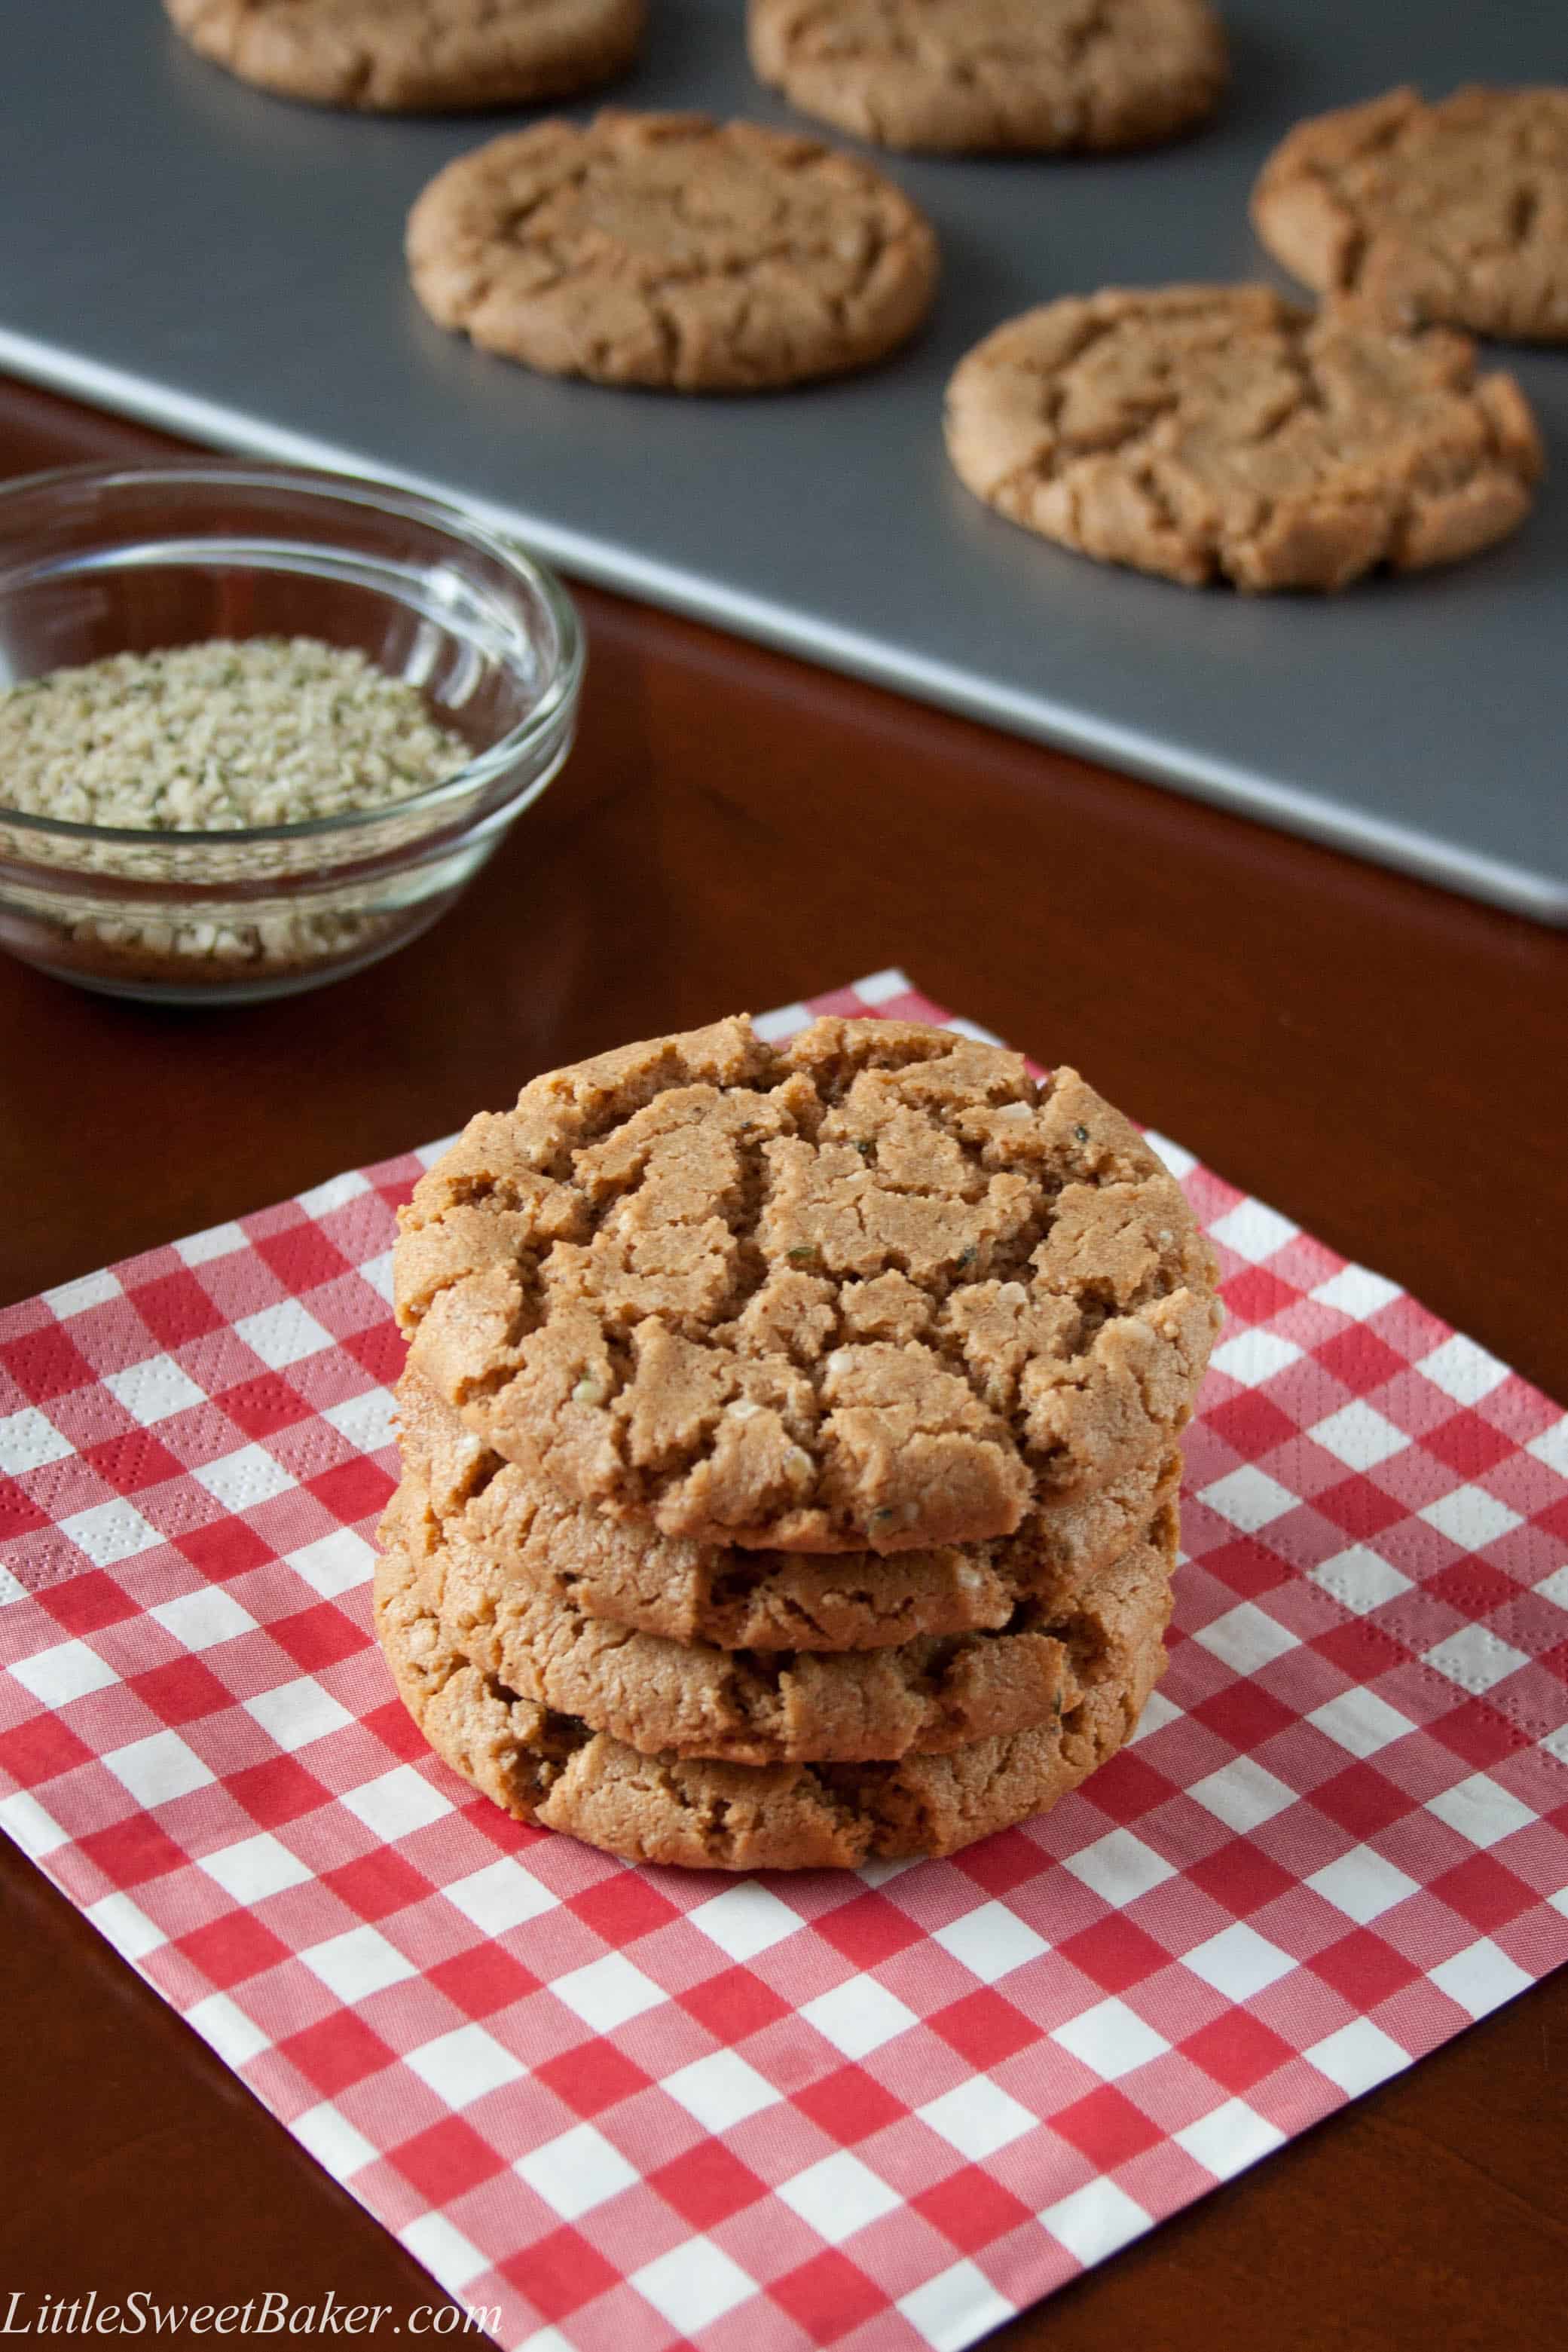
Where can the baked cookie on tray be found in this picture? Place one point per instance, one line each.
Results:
(1221, 433)
(628, 1572)
(1456, 212)
(410, 57)
(554, 1770)
(665, 1697)
(956, 75)
(673, 252)
(872, 1289)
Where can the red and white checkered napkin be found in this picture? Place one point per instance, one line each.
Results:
(638, 2106)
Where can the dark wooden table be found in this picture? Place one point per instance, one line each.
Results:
(1379, 1060)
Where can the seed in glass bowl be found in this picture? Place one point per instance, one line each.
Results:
(217, 736)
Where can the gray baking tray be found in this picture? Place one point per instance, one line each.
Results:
(178, 246)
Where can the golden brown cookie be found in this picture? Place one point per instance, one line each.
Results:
(410, 57)
(977, 75)
(553, 1769)
(872, 1289)
(1456, 213)
(628, 1572)
(1220, 433)
(665, 1697)
(672, 251)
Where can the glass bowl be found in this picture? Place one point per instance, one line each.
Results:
(97, 560)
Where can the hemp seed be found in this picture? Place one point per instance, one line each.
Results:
(226, 735)
(213, 737)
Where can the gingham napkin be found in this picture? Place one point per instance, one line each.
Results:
(635, 2107)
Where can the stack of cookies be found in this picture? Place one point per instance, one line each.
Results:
(790, 1440)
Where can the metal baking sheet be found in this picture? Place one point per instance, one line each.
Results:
(176, 245)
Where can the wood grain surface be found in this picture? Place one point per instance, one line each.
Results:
(1380, 1060)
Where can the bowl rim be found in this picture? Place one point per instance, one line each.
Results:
(559, 693)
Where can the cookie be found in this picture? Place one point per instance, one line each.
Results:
(672, 251)
(554, 1770)
(659, 1697)
(951, 76)
(1456, 213)
(410, 57)
(872, 1290)
(631, 1574)
(1220, 433)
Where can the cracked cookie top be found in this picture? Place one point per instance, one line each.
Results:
(1219, 431)
(872, 1290)
(410, 56)
(956, 75)
(672, 251)
(1455, 212)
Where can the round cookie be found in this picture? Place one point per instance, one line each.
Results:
(629, 1574)
(1456, 213)
(672, 251)
(410, 57)
(975, 76)
(1220, 433)
(550, 1768)
(872, 1290)
(666, 1697)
